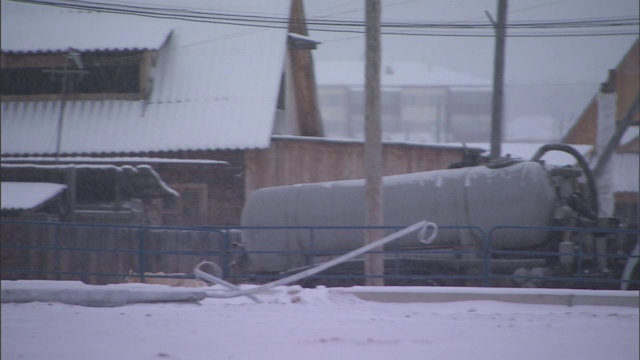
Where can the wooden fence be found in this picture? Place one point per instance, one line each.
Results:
(103, 254)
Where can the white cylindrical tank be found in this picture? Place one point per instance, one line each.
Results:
(516, 195)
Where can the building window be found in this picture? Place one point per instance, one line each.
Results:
(435, 100)
(333, 100)
(356, 102)
(390, 103)
(95, 75)
(411, 100)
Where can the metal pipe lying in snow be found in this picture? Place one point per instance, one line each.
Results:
(421, 226)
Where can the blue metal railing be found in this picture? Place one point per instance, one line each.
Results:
(136, 241)
(586, 270)
(142, 253)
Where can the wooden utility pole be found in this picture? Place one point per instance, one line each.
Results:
(498, 80)
(374, 262)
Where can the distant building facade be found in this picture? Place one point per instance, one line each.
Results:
(419, 102)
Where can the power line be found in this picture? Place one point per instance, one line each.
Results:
(614, 26)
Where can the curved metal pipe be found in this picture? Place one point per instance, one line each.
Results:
(421, 226)
(591, 184)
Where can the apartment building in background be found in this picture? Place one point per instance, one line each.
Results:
(420, 102)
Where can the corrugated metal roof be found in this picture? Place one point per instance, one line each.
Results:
(215, 86)
(108, 160)
(27, 195)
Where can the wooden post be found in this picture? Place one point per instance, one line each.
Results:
(71, 193)
(498, 80)
(374, 262)
(307, 109)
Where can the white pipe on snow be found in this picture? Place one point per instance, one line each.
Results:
(422, 226)
(201, 275)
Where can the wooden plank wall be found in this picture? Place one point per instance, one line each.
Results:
(627, 86)
(94, 259)
(298, 160)
(224, 183)
(289, 160)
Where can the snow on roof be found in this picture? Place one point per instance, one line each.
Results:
(303, 40)
(527, 150)
(28, 195)
(303, 37)
(630, 135)
(143, 180)
(108, 167)
(110, 160)
(384, 141)
(215, 86)
(92, 32)
(148, 182)
(397, 74)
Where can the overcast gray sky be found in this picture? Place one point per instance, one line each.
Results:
(576, 64)
(527, 58)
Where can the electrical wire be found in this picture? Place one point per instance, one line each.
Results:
(613, 26)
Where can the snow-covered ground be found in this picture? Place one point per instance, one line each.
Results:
(321, 323)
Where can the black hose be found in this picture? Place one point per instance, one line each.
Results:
(591, 184)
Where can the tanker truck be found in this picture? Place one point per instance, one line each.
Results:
(499, 216)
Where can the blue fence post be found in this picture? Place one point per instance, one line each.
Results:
(312, 246)
(580, 256)
(396, 261)
(226, 253)
(486, 263)
(56, 245)
(141, 253)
